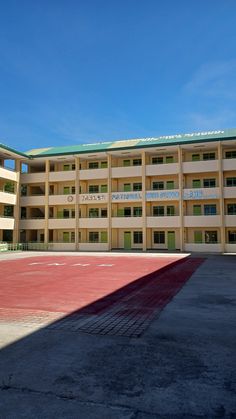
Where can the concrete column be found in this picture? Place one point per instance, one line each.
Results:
(46, 207)
(77, 205)
(181, 216)
(144, 218)
(17, 206)
(221, 191)
(109, 205)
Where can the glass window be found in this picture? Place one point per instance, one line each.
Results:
(197, 210)
(93, 237)
(157, 185)
(127, 187)
(103, 164)
(73, 168)
(93, 212)
(169, 159)
(211, 237)
(23, 190)
(93, 165)
(170, 210)
(103, 236)
(196, 183)
(158, 211)
(66, 167)
(197, 236)
(137, 186)
(127, 212)
(157, 160)
(9, 187)
(137, 162)
(126, 162)
(170, 184)
(93, 188)
(231, 181)
(137, 212)
(66, 236)
(210, 209)
(66, 190)
(73, 190)
(104, 212)
(66, 213)
(72, 235)
(103, 188)
(209, 183)
(230, 154)
(209, 156)
(195, 157)
(159, 237)
(8, 211)
(138, 237)
(120, 212)
(232, 236)
(231, 209)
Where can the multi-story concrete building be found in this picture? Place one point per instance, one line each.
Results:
(173, 192)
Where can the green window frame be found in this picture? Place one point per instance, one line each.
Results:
(170, 184)
(197, 209)
(196, 183)
(103, 164)
(93, 212)
(169, 159)
(66, 190)
(66, 237)
(195, 157)
(127, 187)
(66, 167)
(197, 236)
(170, 210)
(103, 236)
(120, 212)
(103, 189)
(126, 163)
(137, 212)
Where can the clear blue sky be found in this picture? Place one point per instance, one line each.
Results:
(85, 70)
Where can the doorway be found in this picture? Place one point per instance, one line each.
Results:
(171, 240)
(127, 240)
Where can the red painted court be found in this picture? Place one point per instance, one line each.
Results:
(130, 289)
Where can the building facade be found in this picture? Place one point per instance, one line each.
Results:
(169, 193)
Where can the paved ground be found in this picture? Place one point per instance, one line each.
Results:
(183, 366)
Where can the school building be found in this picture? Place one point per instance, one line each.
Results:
(174, 192)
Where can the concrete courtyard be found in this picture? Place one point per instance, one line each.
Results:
(183, 365)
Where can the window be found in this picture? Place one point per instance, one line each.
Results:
(66, 237)
(103, 236)
(137, 186)
(231, 209)
(210, 236)
(127, 187)
(159, 237)
(126, 163)
(93, 237)
(231, 181)
(9, 187)
(72, 235)
(66, 190)
(73, 190)
(195, 157)
(127, 212)
(210, 209)
(157, 160)
(197, 210)
(93, 188)
(66, 167)
(137, 212)
(103, 212)
(169, 159)
(196, 183)
(138, 237)
(66, 213)
(209, 183)
(230, 154)
(8, 211)
(103, 188)
(170, 184)
(158, 211)
(232, 236)
(137, 162)
(93, 165)
(197, 236)
(170, 210)
(73, 168)
(23, 190)
(157, 185)
(103, 164)
(209, 156)
(93, 212)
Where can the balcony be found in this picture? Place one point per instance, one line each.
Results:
(229, 164)
(230, 221)
(203, 247)
(93, 222)
(8, 174)
(94, 247)
(88, 174)
(201, 193)
(169, 222)
(38, 200)
(126, 171)
(61, 199)
(32, 224)
(202, 221)
(62, 175)
(91, 198)
(126, 196)
(62, 223)
(230, 192)
(163, 195)
(38, 177)
(7, 198)
(7, 223)
(162, 169)
(200, 166)
(127, 222)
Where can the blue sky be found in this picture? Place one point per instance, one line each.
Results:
(82, 71)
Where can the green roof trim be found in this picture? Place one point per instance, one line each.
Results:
(195, 137)
(12, 150)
